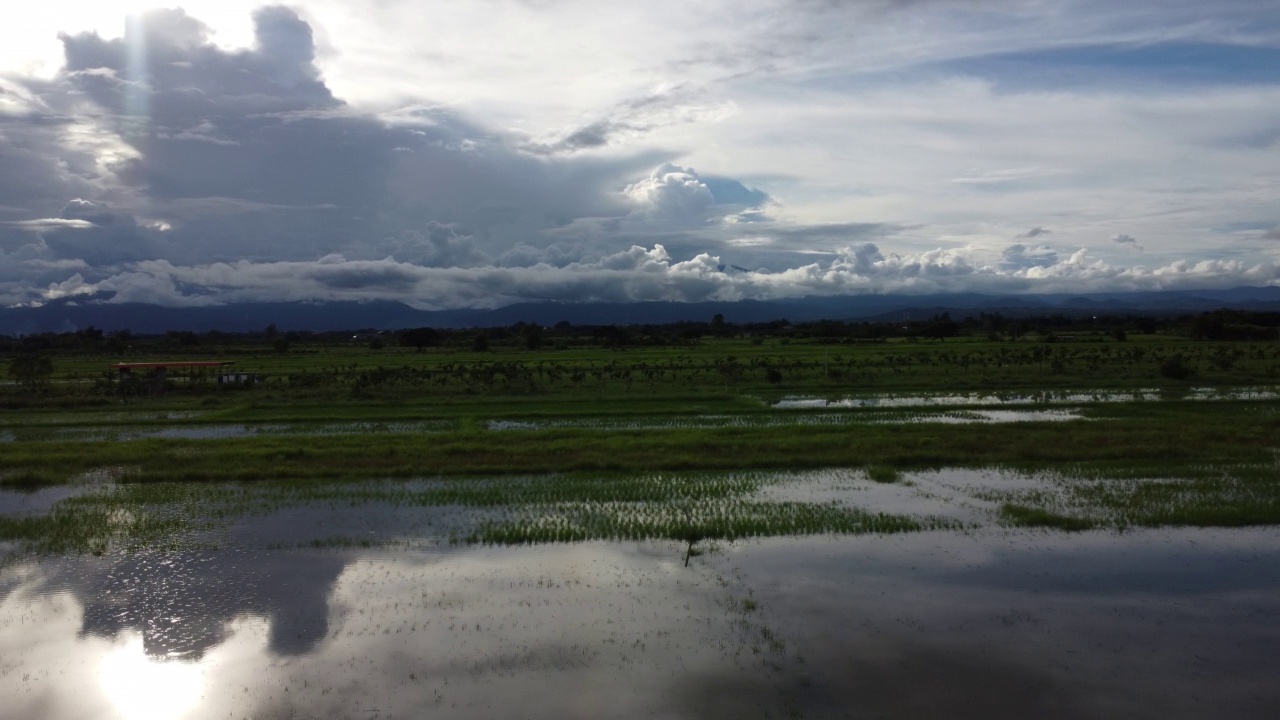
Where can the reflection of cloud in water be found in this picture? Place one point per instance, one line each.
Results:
(181, 603)
(585, 630)
(994, 624)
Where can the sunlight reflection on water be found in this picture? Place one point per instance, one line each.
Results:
(1001, 623)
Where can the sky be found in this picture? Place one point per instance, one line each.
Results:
(476, 153)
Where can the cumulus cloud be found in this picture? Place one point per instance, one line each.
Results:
(675, 196)
(247, 153)
(1020, 257)
(436, 246)
(671, 192)
(636, 274)
(190, 173)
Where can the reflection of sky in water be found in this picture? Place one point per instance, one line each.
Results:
(37, 501)
(941, 624)
(786, 420)
(1029, 398)
(477, 633)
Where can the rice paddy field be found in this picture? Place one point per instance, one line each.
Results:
(1083, 528)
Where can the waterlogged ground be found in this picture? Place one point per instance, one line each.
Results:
(1041, 397)
(945, 408)
(862, 592)
(993, 623)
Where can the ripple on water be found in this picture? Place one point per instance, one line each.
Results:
(991, 623)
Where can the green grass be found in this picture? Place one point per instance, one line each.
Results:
(582, 473)
(29, 481)
(685, 507)
(1169, 437)
(1023, 516)
(883, 474)
(718, 521)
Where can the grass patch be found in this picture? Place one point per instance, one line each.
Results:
(883, 474)
(30, 481)
(1023, 516)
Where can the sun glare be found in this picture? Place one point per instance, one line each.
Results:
(142, 688)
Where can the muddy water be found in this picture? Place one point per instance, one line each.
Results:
(992, 623)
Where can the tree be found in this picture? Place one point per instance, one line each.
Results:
(31, 370)
(531, 336)
(718, 326)
(1176, 368)
(419, 338)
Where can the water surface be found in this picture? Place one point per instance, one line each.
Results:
(993, 623)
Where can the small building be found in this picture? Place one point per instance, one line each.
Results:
(156, 373)
(238, 378)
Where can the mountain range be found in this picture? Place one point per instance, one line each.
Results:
(71, 314)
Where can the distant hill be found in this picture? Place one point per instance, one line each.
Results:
(72, 314)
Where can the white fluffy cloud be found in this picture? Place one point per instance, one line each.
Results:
(639, 274)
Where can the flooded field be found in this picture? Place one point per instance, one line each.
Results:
(223, 431)
(698, 422)
(995, 623)
(952, 408)
(818, 594)
(71, 432)
(1041, 397)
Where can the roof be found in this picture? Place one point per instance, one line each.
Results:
(145, 365)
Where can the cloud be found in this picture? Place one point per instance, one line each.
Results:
(150, 174)
(671, 192)
(1020, 257)
(678, 196)
(1273, 233)
(1129, 240)
(50, 223)
(633, 119)
(246, 153)
(639, 274)
(437, 246)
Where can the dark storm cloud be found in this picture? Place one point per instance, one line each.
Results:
(162, 168)
(204, 157)
(99, 237)
(226, 133)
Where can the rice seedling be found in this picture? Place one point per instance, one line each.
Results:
(882, 474)
(1024, 516)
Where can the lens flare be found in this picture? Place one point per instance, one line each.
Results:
(137, 103)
